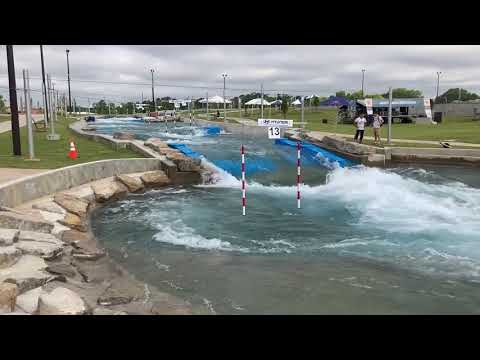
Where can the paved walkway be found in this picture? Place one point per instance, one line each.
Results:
(7, 125)
(9, 174)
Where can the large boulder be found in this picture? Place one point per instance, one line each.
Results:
(38, 237)
(75, 222)
(14, 220)
(8, 297)
(50, 206)
(28, 273)
(72, 204)
(28, 301)
(155, 178)
(83, 192)
(43, 249)
(8, 236)
(9, 255)
(64, 269)
(123, 136)
(107, 190)
(133, 184)
(61, 301)
(156, 144)
(184, 163)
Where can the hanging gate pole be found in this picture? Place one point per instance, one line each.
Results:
(298, 174)
(242, 150)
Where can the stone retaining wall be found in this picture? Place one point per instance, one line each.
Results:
(26, 189)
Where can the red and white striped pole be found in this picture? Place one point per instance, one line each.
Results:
(298, 175)
(243, 181)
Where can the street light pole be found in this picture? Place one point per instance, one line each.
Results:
(224, 100)
(438, 81)
(13, 102)
(45, 96)
(68, 74)
(153, 94)
(363, 80)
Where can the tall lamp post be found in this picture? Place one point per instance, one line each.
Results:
(68, 77)
(363, 80)
(153, 94)
(13, 102)
(224, 100)
(438, 81)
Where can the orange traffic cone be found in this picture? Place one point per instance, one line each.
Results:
(73, 151)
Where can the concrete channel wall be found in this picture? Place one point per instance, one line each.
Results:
(30, 188)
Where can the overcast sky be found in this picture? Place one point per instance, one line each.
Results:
(318, 69)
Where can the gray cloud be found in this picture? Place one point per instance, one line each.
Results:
(316, 69)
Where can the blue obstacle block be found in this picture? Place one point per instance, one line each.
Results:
(185, 150)
(234, 167)
(316, 152)
(212, 130)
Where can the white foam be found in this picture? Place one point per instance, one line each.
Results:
(177, 233)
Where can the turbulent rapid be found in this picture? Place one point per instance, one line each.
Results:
(379, 225)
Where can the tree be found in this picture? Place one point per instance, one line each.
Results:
(2, 104)
(101, 107)
(402, 93)
(284, 107)
(341, 94)
(315, 101)
(453, 94)
(374, 96)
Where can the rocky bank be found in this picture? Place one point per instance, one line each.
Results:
(51, 264)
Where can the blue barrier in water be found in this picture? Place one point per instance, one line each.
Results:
(234, 167)
(185, 150)
(316, 151)
(212, 130)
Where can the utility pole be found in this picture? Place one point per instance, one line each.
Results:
(389, 140)
(13, 102)
(262, 103)
(363, 79)
(51, 99)
(224, 100)
(153, 94)
(28, 113)
(68, 74)
(44, 88)
(438, 81)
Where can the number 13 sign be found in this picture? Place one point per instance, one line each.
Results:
(273, 132)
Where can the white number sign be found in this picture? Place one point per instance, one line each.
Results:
(273, 132)
(275, 122)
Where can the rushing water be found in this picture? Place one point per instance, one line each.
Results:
(366, 240)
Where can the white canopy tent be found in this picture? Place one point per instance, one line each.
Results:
(297, 102)
(215, 100)
(257, 101)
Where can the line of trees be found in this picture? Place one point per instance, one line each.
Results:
(2, 104)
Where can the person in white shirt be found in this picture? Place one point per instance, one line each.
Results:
(377, 123)
(360, 122)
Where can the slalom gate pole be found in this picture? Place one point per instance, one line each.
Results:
(298, 174)
(242, 150)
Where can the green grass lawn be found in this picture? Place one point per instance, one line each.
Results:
(462, 130)
(53, 154)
